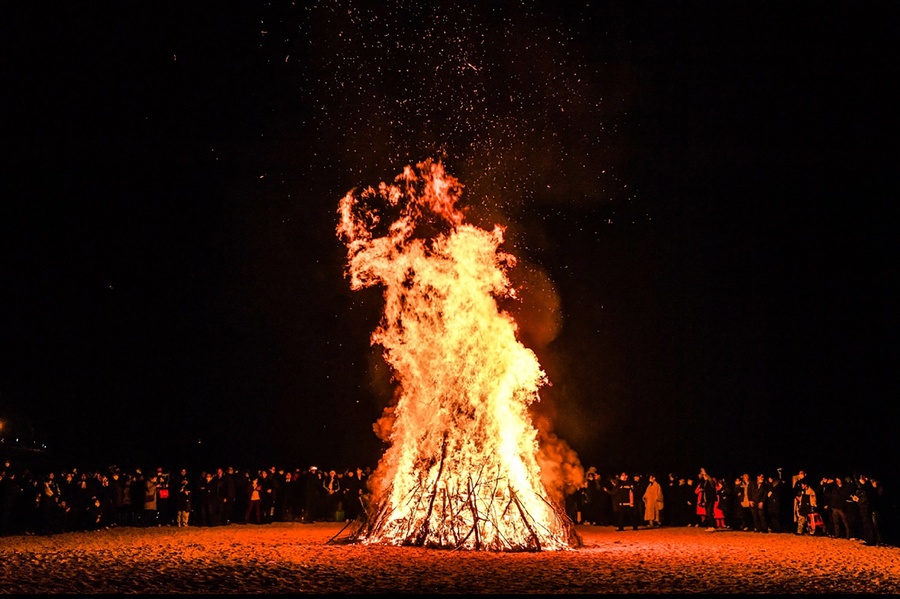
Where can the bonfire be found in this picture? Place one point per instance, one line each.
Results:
(465, 467)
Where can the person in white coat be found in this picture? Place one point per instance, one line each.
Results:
(653, 502)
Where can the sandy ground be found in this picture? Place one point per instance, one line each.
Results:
(315, 558)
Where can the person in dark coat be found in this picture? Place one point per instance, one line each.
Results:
(351, 489)
(710, 496)
(183, 504)
(775, 504)
(639, 485)
(836, 504)
(623, 502)
(227, 492)
(298, 507)
(206, 496)
(759, 494)
(267, 498)
(312, 485)
(120, 502)
(876, 506)
(862, 497)
(10, 494)
(284, 496)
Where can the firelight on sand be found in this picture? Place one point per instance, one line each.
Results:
(465, 467)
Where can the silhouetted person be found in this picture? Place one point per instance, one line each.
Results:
(876, 505)
(241, 495)
(352, 492)
(183, 504)
(313, 488)
(743, 519)
(267, 499)
(10, 496)
(862, 497)
(836, 501)
(208, 499)
(709, 495)
(227, 493)
(725, 499)
(774, 504)
(253, 515)
(623, 503)
(680, 504)
(151, 516)
(333, 504)
(806, 505)
(120, 483)
(759, 494)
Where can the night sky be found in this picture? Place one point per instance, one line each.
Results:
(699, 195)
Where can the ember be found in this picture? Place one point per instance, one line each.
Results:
(465, 467)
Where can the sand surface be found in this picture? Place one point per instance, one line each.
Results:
(315, 558)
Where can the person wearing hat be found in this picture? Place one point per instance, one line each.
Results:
(312, 485)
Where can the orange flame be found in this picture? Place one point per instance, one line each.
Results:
(462, 467)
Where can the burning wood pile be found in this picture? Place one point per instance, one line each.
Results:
(466, 468)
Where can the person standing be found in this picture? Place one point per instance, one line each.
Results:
(623, 502)
(725, 493)
(284, 497)
(640, 485)
(351, 489)
(183, 503)
(720, 507)
(206, 495)
(10, 497)
(742, 502)
(312, 485)
(227, 492)
(758, 494)
(806, 505)
(683, 507)
(774, 503)
(836, 502)
(253, 515)
(862, 498)
(242, 482)
(298, 498)
(699, 504)
(151, 517)
(267, 500)
(670, 485)
(710, 498)
(876, 503)
(334, 505)
(120, 499)
(274, 481)
(164, 502)
(653, 502)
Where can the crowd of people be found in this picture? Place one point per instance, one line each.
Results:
(71, 501)
(850, 507)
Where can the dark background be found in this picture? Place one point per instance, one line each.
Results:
(701, 195)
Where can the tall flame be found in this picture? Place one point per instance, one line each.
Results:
(462, 468)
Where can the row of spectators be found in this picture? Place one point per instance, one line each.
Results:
(69, 501)
(850, 507)
(853, 507)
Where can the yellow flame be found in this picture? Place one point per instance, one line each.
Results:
(461, 469)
